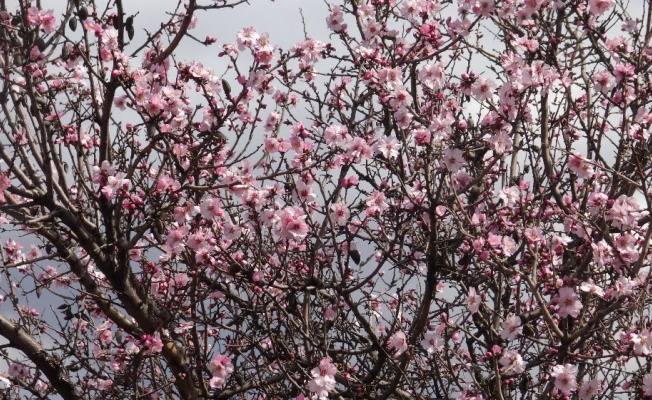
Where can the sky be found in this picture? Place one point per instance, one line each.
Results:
(281, 19)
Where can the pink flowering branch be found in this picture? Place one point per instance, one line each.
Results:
(23, 341)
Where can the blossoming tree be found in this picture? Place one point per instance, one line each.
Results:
(441, 199)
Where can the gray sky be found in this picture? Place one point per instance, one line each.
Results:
(281, 19)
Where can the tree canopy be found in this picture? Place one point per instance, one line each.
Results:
(436, 200)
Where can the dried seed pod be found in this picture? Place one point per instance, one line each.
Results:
(72, 24)
(65, 53)
(355, 256)
(474, 194)
(227, 88)
(524, 384)
(74, 367)
(40, 44)
(82, 13)
(292, 306)
(129, 27)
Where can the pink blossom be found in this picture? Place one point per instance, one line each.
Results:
(626, 245)
(398, 341)
(33, 16)
(533, 234)
(432, 342)
(484, 8)
(387, 148)
(210, 208)
(623, 287)
(48, 275)
(625, 212)
(263, 49)
(152, 344)
(232, 229)
(599, 7)
(103, 171)
(624, 72)
(359, 150)
(48, 21)
(410, 9)
(642, 342)
(272, 121)
(647, 385)
(291, 223)
(565, 378)
(453, 159)
(221, 367)
(304, 192)
(403, 118)
(247, 37)
(110, 39)
(104, 384)
(590, 287)
(114, 183)
(568, 303)
(590, 389)
(330, 313)
(511, 328)
(603, 82)
(104, 333)
(578, 164)
(323, 378)
(629, 25)
(376, 203)
(510, 196)
(597, 202)
(494, 240)
(473, 301)
(401, 98)
(512, 362)
(17, 371)
(335, 134)
(509, 246)
(340, 213)
(433, 76)
(602, 253)
(422, 137)
(167, 183)
(271, 144)
(335, 20)
(499, 142)
(310, 50)
(176, 238)
(483, 88)
(440, 128)
(526, 44)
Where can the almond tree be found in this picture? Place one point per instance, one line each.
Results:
(442, 199)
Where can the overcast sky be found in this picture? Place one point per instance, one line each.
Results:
(281, 19)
